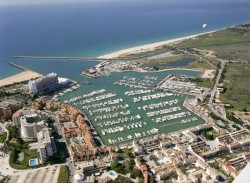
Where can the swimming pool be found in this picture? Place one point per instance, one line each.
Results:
(33, 162)
(25, 87)
(113, 175)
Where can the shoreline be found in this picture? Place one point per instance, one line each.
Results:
(19, 77)
(153, 46)
(126, 51)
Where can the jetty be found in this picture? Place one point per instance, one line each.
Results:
(18, 66)
(68, 58)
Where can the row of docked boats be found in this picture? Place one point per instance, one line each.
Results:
(97, 98)
(171, 117)
(132, 82)
(120, 120)
(113, 115)
(74, 87)
(109, 109)
(163, 111)
(152, 97)
(103, 104)
(137, 92)
(123, 128)
(153, 131)
(187, 120)
(159, 105)
(88, 95)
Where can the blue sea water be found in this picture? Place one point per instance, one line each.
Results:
(92, 28)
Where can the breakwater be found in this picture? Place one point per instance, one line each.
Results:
(18, 66)
(65, 58)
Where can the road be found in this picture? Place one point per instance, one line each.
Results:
(213, 92)
(69, 163)
(210, 102)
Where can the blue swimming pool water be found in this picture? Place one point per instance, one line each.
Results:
(25, 87)
(112, 174)
(33, 162)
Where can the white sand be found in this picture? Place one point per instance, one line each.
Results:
(150, 47)
(208, 74)
(23, 76)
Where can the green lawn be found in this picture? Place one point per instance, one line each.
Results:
(28, 154)
(63, 175)
(18, 146)
(210, 134)
(168, 59)
(3, 137)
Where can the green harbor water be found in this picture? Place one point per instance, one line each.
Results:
(131, 127)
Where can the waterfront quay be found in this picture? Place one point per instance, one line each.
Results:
(128, 106)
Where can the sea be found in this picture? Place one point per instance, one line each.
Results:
(91, 28)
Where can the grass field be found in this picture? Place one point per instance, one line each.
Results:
(201, 82)
(229, 44)
(63, 175)
(235, 35)
(237, 51)
(236, 82)
(168, 59)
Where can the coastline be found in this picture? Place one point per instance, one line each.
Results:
(153, 46)
(20, 77)
(27, 75)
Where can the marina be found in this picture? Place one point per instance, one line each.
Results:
(128, 106)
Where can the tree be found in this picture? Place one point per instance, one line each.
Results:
(244, 110)
(128, 166)
(137, 172)
(13, 155)
(130, 154)
(115, 164)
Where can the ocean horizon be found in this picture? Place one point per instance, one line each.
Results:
(91, 29)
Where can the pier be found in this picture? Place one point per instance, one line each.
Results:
(67, 58)
(18, 66)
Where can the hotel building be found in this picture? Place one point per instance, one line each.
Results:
(44, 84)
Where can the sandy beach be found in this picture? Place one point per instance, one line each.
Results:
(23, 76)
(150, 47)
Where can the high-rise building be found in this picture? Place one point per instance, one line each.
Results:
(46, 145)
(44, 84)
(31, 122)
(28, 126)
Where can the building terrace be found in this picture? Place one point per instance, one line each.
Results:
(235, 165)
(226, 139)
(240, 135)
(200, 147)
